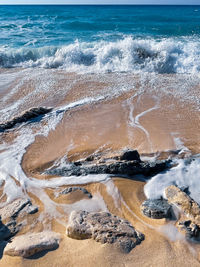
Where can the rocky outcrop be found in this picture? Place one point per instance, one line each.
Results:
(30, 244)
(17, 207)
(119, 165)
(105, 228)
(191, 229)
(10, 215)
(190, 225)
(75, 189)
(25, 117)
(156, 208)
(184, 202)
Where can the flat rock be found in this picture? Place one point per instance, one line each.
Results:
(115, 167)
(13, 209)
(156, 208)
(30, 244)
(28, 115)
(184, 202)
(75, 189)
(105, 228)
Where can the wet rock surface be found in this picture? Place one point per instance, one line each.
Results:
(191, 230)
(184, 202)
(27, 116)
(30, 244)
(122, 164)
(189, 222)
(9, 215)
(16, 208)
(105, 228)
(75, 189)
(156, 208)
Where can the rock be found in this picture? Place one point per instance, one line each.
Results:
(30, 244)
(74, 189)
(13, 209)
(25, 117)
(191, 229)
(156, 208)
(130, 155)
(7, 231)
(10, 214)
(189, 208)
(184, 202)
(116, 167)
(105, 228)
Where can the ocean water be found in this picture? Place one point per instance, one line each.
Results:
(160, 39)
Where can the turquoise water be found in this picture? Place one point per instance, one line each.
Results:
(163, 39)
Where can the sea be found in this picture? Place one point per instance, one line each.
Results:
(161, 39)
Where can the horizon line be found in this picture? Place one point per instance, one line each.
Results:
(61, 4)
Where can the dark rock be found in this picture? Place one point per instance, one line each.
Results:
(27, 116)
(156, 208)
(117, 167)
(130, 155)
(105, 228)
(192, 230)
(74, 189)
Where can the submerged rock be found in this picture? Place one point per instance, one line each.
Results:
(156, 208)
(105, 228)
(30, 244)
(25, 117)
(74, 189)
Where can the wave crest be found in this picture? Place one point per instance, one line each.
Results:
(127, 55)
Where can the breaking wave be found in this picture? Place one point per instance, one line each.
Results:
(167, 55)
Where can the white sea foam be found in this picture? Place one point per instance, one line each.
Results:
(185, 175)
(11, 170)
(166, 55)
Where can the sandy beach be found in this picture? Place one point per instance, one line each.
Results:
(150, 119)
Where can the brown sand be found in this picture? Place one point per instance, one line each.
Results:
(115, 123)
(155, 250)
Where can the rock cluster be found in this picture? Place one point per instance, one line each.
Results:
(30, 244)
(25, 117)
(189, 208)
(189, 221)
(105, 228)
(126, 163)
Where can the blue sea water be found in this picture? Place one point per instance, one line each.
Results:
(161, 39)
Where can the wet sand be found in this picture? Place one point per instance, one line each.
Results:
(131, 118)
